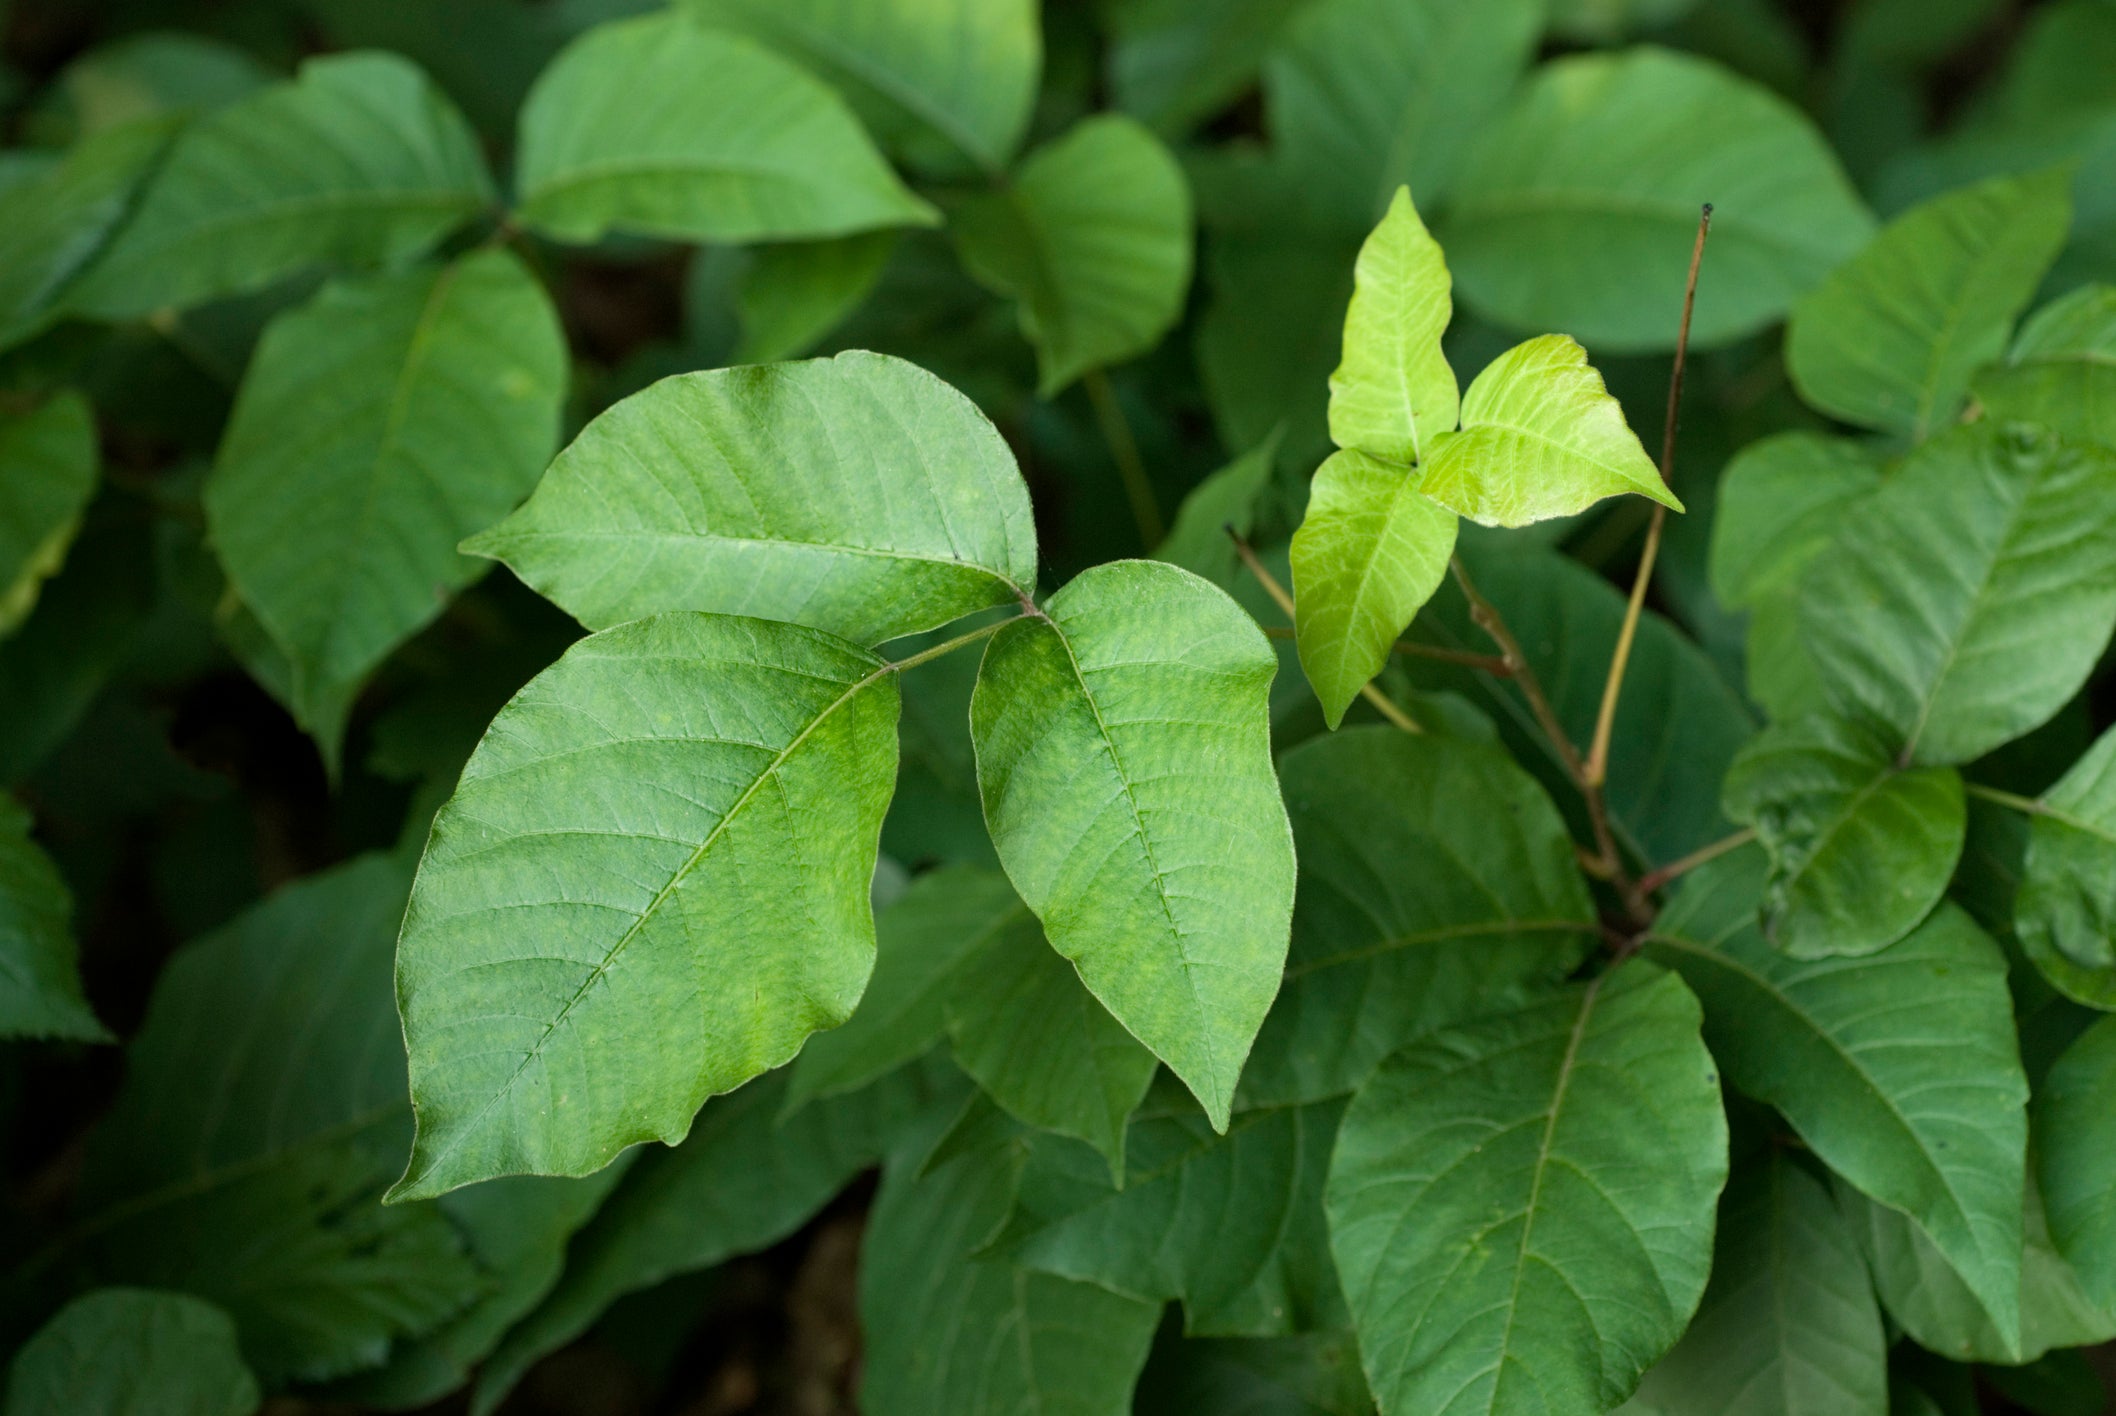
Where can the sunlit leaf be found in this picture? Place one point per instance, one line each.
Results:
(1394, 395)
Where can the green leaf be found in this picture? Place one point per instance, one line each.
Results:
(1890, 340)
(1173, 64)
(146, 75)
(2065, 913)
(1092, 236)
(1789, 1323)
(619, 134)
(1541, 438)
(444, 386)
(2062, 370)
(1781, 502)
(859, 495)
(124, 1350)
(40, 980)
(1861, 848)
(54, 225)
(1394, 396)
(1578, 208)
(359, 161)
(1967, 600)
(1437, 885)
(1522, 1207)
(797, 292)
(47, 473)
(947, 86)
(1899, 1069)
(2075, 1127)
(649, 887)
(1370, 552)
(1198, 541)
(1314, 1374)
(1123, 752)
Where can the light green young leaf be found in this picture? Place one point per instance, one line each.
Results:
(1578, 208)
(1968, 599)
(1437, 884)
(1891, 339)
(40, 981)
(2075, 1128)
(1370, 552)
(360, 160)
(947, 86)
(649, 887)
(2065, 913)
(120, 1351)
(1781, 502)
(47, 473)
(858, 495)
(1899, 1069)
(1861, 848)
(1522, 1208)
(339, 533)
(1541, 438)
(1394, 396)
(1198, 541)
(2062, 371)
(55, 223)
(620, 134)
(1092, 236)
(1789, 1323)
(1123, 752)
(796, 292)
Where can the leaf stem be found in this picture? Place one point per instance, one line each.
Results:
(1654, 880)
(949, 646)
(1116, 431)
(2027, 806)
(1278, 594)
(1488, 663)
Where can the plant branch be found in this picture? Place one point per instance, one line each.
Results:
(1278, 594)
(1116, 431)
(1654, 880)
(1488, 663)
(2028, 806)
(950, 646)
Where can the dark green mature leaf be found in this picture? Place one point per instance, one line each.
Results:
(1861, 848)
(2062, 369)
(1123, 751)
(1789, 1323)
(55, 223)
(1315, 1374)
(796, 292)
(1891, 339)
(2065, 913)
(119, 1351)
(1437, 884)
(1173, 63)
(1967, 600)
(2075, 1128)
(1781, 502)
(1899, 1069)
(40, 982)
(619, 134)
(945, 85)
(859, 495)
(359, 161)
(1198, 541)
(1394, 396)
(1092, 236)
(1522, 1208)
(649, 887)
(444, 386)
(1577, 209)
(47, 474)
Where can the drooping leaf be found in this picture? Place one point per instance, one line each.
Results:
(1578, 208)
(1541, 438)
(1394, 396)
(1370, 552)
(945, 85)
(40, 982)
(796, 292)
(55, 223)
(1899, 1069)
(339, 533)
(118, 1351)
(47, 474)
(1437, 885)
(2075, 1128)
(1968, 599)
(620, 134)
(649, 887)
(1198, 541)
(1890, 340)
(1781, 502)
(1123, 752)
(2062, 370)
(1092, 236)
(1522, 1207)
(2065, 913)
(859, 495)
(360, 160)
(1861, 848)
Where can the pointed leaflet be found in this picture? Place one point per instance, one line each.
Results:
(2065, 913)
(619, 134)
(47, 474)
(2062, 371)
(1781, 502)
(1577, 209)
(340, 533)
(54, 223)
(1437, 884)
(360, 160)
(40, 978)
(1861, 849)
(858, 495)
(1965, 602)
(1092, 235)
(1394, 395)
(118, 1351)
(1522, 1207)
(649, 887)
(1890, 340)
(1541, 438)
(1370, 552)
(1899, 1069)
(1124, 757)
(2075, 1128)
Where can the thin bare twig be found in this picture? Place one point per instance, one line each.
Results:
(1124, 449)
(1410, 648)
(1654, 880)
(1278, 594)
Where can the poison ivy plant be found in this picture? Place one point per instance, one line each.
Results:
(127, 1349)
